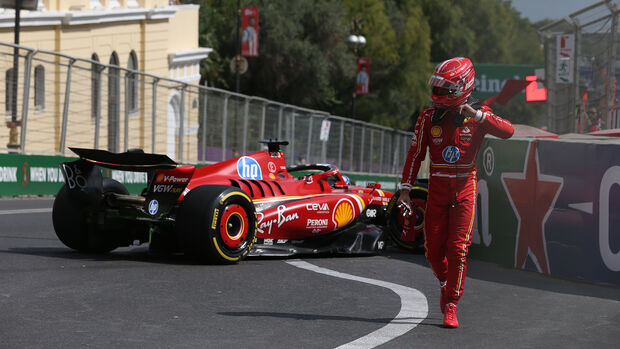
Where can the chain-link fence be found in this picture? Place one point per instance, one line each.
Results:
(59, 101)
(582, 69)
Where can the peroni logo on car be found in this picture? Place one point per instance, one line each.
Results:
(451, 154)
(248, 168)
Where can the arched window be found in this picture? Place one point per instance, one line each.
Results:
(95, 89)
(8, 88)
(132, 86)
(39, 88)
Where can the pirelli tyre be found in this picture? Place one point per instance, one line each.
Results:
(76, 224)
(408, 232)
(216, 224)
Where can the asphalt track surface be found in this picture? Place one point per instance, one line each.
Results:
(53, 297)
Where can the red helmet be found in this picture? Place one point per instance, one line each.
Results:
(452, 82)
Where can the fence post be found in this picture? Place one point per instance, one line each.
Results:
(98, 104)
(246, 110)
(351, 168)
(182, 122)
(280, 122)
(340, 143)
(224, 125)
(381, 151)
(362, 150)
(65, 111)
(308, 148)
(262, 122)
(154, 112)
(26, 98)
(293, 136)
(126, 131)
(204, 125)
(371, 150)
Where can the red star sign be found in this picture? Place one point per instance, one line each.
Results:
(532, 196)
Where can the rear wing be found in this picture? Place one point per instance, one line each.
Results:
(167, 179)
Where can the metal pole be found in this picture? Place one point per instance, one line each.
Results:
(97, 101)
(351, 149)
(280, 122)
(262, 122)
(293, 136)
(308, 145)
(182, 122)
(381, 151)
(126, 131)
(371, 150)
(204, 125)
(246, 110)
(224, 125)
(324, 149)
(362, 149)
(65, 111)
(13, 125)
(341, 143)
(154, 115)
(26, 98)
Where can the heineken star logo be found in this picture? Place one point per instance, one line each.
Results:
(532, 196)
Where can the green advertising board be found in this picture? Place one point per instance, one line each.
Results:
(490, 78)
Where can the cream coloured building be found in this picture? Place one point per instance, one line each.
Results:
(150, 36)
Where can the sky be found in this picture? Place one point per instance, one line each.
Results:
(536, 10)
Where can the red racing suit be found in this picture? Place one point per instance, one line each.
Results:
(451, 202)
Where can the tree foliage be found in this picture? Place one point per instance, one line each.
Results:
(304, 59)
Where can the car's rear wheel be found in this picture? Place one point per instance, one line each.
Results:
(216, 224)
(408, 232)
(76, 224)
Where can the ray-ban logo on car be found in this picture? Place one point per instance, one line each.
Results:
(248, 168)
(451, 154)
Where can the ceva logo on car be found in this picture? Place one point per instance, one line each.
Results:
(248, 168)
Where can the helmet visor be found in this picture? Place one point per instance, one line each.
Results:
(439, 81)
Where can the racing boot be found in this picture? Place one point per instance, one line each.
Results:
(443, 296)
(449, 316)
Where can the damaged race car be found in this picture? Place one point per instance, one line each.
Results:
(221, 213)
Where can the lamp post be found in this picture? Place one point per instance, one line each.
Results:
(355, 41)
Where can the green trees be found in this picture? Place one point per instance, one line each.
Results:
(304, 60)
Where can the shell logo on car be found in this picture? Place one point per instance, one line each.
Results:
(343, 213)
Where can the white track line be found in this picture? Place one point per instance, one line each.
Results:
(29, 210)
(413, 310)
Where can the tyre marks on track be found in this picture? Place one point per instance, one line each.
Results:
(413, 310)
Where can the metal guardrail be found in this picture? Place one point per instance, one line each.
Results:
(64, 101)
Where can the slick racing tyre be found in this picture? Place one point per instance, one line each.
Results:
(216, 224)
(408, 232)
(76, 225)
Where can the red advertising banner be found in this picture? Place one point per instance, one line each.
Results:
(249, 35)
(363, 76)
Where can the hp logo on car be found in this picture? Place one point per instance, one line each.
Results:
(248, 168)
(451, 154)
(153, 207)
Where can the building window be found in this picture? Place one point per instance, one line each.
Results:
(132, 85)
(8, 101)
(95, 89)
(39, 88)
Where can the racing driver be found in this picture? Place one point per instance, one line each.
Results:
(453, 129)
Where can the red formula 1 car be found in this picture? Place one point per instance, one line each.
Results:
(249, 205)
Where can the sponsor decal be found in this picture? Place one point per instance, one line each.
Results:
(320, 208)
(153, 207)
(372, 213)
(465, 138)
(317, 223)
(488, 161)
(25, 170)
(268, 242)
(451, 154)
(162, 178)
(343, 213)
(380, 245)
(465, 130)
(414, 139)
(437, 140)
(248, 168)
(74, 179)
(436, 131)
(272, 176)
(8, 174)
(162, 188)
(314, 231)
(281, 218)
(216, 213)
(281, 241)
(272, 167)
